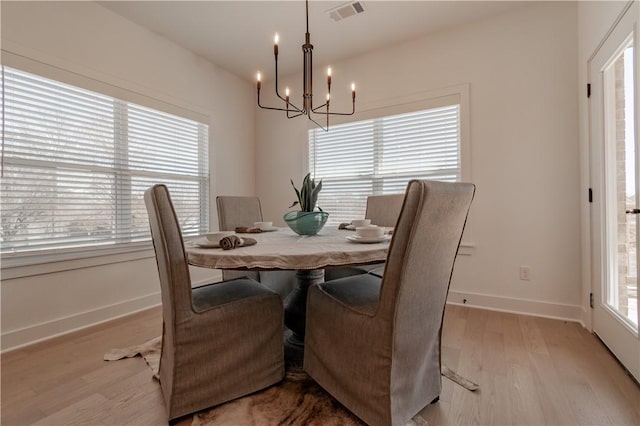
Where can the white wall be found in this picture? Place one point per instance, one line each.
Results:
(521, 67)
(594, 21)
(85, 38)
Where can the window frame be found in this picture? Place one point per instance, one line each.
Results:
(457, 94)
(43, 261)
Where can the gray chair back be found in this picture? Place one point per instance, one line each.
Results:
(383, 210)
(235, 211)
(424, 247)
(173, 269)
(175, 280)
(418, 273)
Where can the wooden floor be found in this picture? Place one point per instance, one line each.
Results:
(532, 371)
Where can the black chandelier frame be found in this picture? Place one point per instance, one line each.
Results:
(293, 111)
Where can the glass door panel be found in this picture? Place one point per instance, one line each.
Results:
(621, 291)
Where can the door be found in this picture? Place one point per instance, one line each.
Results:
(615, 181)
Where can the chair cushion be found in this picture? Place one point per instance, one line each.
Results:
(358, 292)
(216, 294)
(378, 270)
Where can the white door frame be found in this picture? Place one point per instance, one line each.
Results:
(621, 339)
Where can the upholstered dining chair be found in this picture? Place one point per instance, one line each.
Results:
(219, 341)
(374, 343)
(233, 212)
(383, 210)
(238, 211)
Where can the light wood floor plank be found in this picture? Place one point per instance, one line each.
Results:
(534, 342)
(531, 371)
(86, 411)
(515, 351)
(494, 397)
(550, 391)
(524, 403)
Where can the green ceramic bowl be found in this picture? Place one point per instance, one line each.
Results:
(306, 223)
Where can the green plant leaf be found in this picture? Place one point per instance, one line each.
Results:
(314, 195)
(317, 189)
(297, 192)
(305, 198)
(310, 203)
(308, 193)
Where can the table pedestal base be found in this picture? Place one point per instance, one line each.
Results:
(293, 350)
(295, 315)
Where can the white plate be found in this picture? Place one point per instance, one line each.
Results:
(217, 236)
(368, 240)
(273, 228)
(204, 243)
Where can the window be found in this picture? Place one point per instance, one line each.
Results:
(75, 165)
(379, 156)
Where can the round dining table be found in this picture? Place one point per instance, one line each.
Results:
(282, 249)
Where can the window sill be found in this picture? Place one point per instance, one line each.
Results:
(20, 265)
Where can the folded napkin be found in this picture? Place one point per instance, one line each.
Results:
(231, 242)
(247, 230)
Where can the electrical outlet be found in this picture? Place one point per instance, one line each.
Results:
(525, 273)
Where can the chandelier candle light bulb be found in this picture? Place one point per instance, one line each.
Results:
(307, 92)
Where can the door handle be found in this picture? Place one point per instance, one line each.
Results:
(634, 211)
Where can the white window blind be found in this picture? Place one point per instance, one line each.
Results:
(75, 165)
(381, 155)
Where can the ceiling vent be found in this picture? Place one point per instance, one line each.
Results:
(346, 10)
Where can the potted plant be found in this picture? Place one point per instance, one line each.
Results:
(307, 220)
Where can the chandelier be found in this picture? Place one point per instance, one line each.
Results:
(307, 109)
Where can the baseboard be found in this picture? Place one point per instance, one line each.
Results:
(16, 339)
(36, 333)
(586, 320)
(29, 335)
(513, 305)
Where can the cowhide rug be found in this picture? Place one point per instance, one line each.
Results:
(297, 400)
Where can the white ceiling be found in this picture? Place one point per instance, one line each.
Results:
(238, 35)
